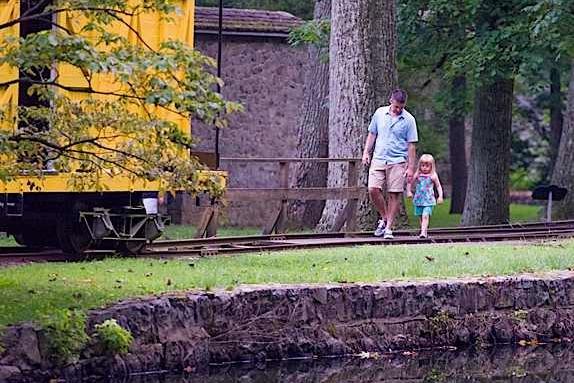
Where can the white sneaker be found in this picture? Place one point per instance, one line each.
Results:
(380, 230)
(388, 234)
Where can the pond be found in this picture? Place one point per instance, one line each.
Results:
(544, 363)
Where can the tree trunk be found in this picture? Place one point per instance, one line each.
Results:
(313, 130)
(457, 144)
(362, 74)
(556, 119)
(487, 197)
(563, 174)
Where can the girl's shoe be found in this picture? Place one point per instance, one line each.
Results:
(423, 236)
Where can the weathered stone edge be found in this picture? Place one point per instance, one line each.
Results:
(189, 330)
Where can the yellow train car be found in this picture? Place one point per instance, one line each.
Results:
(43, 211)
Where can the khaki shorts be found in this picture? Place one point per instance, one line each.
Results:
(391, 175)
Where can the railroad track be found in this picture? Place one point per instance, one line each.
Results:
(18, 255)
(267, 243)
(259, 243)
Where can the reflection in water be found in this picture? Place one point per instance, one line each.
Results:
(548, 363)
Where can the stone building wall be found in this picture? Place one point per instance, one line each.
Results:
(265, 75)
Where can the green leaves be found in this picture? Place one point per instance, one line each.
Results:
(484, 39)
(113, 338)
(314, 32)
(65, 334)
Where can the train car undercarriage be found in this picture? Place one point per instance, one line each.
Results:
(79, 222)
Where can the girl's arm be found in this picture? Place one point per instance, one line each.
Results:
(438, 187)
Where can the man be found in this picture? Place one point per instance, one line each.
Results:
(393, 132)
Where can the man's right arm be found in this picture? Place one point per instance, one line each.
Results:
(371, 138)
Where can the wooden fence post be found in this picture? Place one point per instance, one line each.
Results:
(209, 222)
(352, 180)
(279, 221)
(348, 214)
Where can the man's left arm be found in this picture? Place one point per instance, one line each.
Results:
(412, 138)
(411, 161)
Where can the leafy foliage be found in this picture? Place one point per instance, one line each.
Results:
(113, 338)
(551, 21)
(482, 41)
(123, 118)
(315, 32)
(65, 334)
(521, 180)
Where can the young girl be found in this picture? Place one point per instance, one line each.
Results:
(426, 180)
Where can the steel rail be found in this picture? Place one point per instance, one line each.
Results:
(269, 243)
(294, 244)
(291, 236)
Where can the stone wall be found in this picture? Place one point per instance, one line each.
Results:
(265, 75)
(251, 324)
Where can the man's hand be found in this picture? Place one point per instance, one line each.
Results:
(409, 194)
(366, 159)
(409, 173)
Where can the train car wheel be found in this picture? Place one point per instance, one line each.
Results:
(73, 237)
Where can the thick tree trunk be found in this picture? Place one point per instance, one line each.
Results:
(313, 130)
(563, 174)
(487, 196)
(556, 118)
(362, 74)
(457, 144)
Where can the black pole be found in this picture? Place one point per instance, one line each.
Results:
(219, 49)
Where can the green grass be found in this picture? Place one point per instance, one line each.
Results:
(442, 218)
(28, 292)
(7, 241)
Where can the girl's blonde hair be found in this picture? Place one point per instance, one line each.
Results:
(427, 158)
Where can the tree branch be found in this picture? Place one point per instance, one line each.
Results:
(138, 35)
(67, 149)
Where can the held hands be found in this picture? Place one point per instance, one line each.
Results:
(409, 174)
(409, 194)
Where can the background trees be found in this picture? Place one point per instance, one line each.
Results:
(553, 23)
(501, 48)
(494, 61)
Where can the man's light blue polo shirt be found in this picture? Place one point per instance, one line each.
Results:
(393, 135)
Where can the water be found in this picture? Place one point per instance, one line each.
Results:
(547, 363)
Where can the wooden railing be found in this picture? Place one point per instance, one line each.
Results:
(352, 193)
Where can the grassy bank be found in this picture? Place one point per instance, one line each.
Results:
(30, 292)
